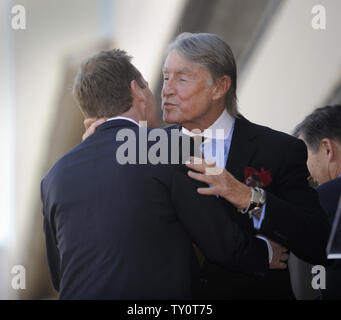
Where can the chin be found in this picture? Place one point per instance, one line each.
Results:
(170, 117)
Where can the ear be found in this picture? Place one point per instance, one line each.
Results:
(329, 148)
(222, 86)
(136, 91)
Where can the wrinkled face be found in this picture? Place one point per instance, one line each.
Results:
(317, 165)
(151, 107)
(187, 93)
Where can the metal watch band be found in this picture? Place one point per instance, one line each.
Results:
(258, 197)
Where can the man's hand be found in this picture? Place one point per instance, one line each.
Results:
(280, 256)
(222, 182)
(90, 125)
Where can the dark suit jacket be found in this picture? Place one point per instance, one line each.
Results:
(293, 216)
(330, 193)
(125, 231)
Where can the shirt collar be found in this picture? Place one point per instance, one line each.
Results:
(124, 118)
(220, 129)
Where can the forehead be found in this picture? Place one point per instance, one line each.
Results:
(177, 64)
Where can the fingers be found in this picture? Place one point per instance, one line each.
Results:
(199, 177)
(86, 134)
(199, 164)
(197, 167)
(91, 125)
(215, 171)
(207, 191)
(98, 123)
(89, 132)
(207, 167)
(88, 122)
(280, 256)
(284, 257)
(278, 265)
(282, 266)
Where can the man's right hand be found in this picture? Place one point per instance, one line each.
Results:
(90, 125)
(280, 256)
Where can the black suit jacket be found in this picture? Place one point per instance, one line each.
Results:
(330, 193)
(125, 231)
(293, 215)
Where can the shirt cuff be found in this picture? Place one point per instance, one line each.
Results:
(269, 246)
(257, 223)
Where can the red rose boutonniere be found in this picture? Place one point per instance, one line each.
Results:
(254, 178)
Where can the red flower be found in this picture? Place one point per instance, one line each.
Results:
(254, 178)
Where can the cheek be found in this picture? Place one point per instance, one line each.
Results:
(311, 165)
(315, 167)
(191, 103)
(185, 95)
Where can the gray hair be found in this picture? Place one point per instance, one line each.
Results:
(323, 123)
(214, 54)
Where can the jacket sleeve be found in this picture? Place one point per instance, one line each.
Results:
(53, 258)
(214, 230)
(294, 216)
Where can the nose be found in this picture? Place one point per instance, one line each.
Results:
(167, 88)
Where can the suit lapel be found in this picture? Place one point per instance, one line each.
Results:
(243, 147)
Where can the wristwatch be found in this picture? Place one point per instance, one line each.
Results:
(255, 207)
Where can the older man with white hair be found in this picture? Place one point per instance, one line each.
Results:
(264, 181)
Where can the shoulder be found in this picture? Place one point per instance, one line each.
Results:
(274, 136)
(333, 186)
(61, 166)
(329, 194)
(277, 141)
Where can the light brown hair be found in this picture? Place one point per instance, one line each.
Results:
(102, 86)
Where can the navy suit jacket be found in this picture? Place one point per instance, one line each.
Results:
(293, 215)
(125, 231)
(330, 193)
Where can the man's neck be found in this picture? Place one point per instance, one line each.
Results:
(220, 129)
(206, 120)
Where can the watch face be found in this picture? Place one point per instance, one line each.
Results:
(257, 195)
